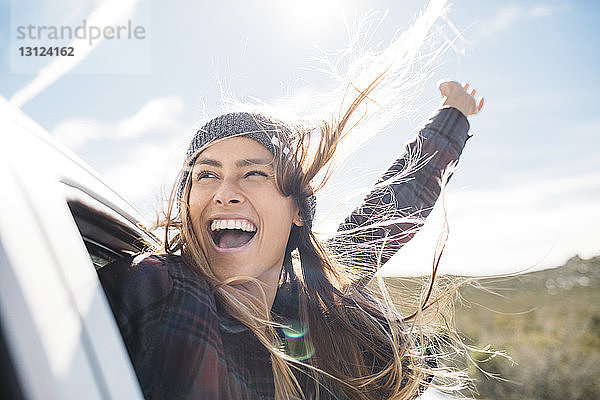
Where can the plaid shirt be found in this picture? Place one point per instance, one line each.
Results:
(183, 346)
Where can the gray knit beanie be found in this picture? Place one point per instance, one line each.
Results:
(272, 134)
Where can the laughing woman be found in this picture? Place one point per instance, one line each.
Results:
(246, 303)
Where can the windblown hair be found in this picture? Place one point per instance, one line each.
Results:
(356, 340)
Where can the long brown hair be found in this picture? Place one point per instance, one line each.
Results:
(355, 341)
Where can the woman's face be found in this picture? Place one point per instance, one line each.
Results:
(241, 219)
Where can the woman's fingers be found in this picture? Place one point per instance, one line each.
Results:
(472, 93)
(480, 105)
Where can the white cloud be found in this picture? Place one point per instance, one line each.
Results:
(146, 165)
(541, 10)
(511, 14)
(75, 133)
(509, 229)
(585, 129)
(503, 19)
(147, 174)
(160, 114)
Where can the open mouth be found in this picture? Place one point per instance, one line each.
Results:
(231, 233)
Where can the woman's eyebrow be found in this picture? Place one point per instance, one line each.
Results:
(208, 161)
(240, 163)
(254, 161)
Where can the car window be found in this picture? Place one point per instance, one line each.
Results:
(107, 235)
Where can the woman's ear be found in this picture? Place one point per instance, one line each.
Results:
(298, 221)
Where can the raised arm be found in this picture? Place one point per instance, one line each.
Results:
(404, 196)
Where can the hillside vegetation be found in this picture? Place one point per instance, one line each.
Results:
(548, 322)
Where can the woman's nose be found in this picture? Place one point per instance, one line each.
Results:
(227, 194)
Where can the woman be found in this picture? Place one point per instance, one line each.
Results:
(245, 303)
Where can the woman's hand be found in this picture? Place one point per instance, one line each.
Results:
(460, 97)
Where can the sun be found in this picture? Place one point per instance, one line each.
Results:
(310, 17)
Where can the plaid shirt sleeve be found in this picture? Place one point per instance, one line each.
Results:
(411, 190)
(169, 324)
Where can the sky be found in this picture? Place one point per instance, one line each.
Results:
(526, 194)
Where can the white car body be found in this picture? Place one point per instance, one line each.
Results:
(56, 326)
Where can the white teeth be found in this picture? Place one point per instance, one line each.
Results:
(244, 225)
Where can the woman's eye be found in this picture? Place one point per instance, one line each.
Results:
(256, 173)
(205, 175)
